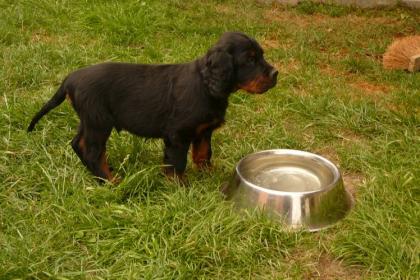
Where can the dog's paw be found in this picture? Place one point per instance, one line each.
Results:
(177, 177)
(204, 165)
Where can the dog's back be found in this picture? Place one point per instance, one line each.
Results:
(135, 97)
(139, 98)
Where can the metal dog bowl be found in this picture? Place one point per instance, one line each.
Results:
(300, 188)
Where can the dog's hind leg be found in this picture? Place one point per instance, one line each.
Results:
(78, 144)
(93, 145)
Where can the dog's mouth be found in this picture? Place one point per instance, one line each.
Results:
(259, 85)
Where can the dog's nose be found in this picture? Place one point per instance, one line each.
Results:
(274, 73)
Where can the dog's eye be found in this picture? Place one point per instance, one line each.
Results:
(251, 59)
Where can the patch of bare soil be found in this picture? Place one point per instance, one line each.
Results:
(347, 135)
(364, 90)
(42, 36)
(287, 66)
(326, 69)
(224, 9)
(229, 10)
(352, 181)
(323, 266)
(270, 43)
(329, 153)
(370, 88)
(287, 17)
(328, 268)
(301, 20)
(274, 40)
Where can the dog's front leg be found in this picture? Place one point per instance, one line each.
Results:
(175, 157)
(201, 152)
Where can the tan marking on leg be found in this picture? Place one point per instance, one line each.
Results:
(200, 154)
(105, 168)
(82, 145)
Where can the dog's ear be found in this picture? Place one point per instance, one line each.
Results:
(218, 72)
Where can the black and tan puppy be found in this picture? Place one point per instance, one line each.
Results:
(181, 103)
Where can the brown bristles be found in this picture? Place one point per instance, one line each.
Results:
(401, 51)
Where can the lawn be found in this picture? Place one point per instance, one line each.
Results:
(332, 98)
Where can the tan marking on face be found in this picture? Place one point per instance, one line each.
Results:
(257, 85)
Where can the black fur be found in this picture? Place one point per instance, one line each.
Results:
(181, 103)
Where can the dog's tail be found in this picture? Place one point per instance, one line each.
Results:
(56, 100)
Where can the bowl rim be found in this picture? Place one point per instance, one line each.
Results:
(331, 166)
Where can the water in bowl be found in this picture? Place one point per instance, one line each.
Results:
(287, 179)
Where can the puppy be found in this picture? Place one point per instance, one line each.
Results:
(181, 103)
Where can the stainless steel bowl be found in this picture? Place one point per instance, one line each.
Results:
(301, 188)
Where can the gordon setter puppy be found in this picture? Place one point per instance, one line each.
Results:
(181, 103)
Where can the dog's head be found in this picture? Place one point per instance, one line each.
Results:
(237, 61)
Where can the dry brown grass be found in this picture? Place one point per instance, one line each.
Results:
(322, 266)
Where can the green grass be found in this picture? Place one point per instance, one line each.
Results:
(333, 98)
